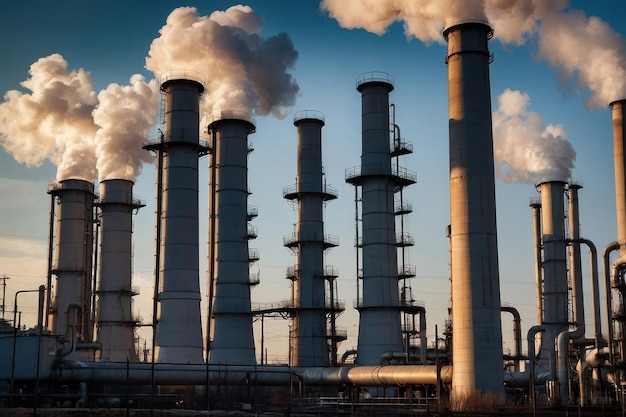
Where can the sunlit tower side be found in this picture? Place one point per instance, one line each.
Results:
(115, 326)
(476, 322)
(378, 300)
(229, 232)
(309, 333)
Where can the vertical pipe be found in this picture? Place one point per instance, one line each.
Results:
(536, 209)
(233, 341)
(179, 327)
(476, 321)
(379, 323)
(575, 259)
(115, 317)
(50, 261)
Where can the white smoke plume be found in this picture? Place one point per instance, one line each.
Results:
(525, 149)
(53, 121)
(124, 114)
(243, 70)
(589, 50)
(562, 33)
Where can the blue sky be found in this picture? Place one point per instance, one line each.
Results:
(112, 43)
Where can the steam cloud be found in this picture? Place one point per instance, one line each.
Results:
(81, 132)
(53, 122)
(244, 71)
(125, 114)
(525, 150)
(600, 72)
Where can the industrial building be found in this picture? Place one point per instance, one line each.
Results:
(83, 349)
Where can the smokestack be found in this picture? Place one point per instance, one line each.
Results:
(618, 110)
(476, 323)
(179, 327)
(308, 330)
(115, 325)
(555, 283)
(233, 341)
(70, 307)
(379, 322)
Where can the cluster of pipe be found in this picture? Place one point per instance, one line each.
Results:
(80, 307)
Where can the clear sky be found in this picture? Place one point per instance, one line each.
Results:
(112, 43)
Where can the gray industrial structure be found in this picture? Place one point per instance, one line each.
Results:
(178, 326)
(476, 327)
(115, 324)
(69, 303)
(380, 330)
(229, 232)
(561, 368)
(309, 334)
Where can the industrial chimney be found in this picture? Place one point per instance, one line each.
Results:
(69, 308)
(179, 327)
(618, 113)
(380, 331)
(476, 324)
(233, 340)
(555, 279)
(309, 336)
(115, 324)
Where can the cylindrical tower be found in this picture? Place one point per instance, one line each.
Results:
(379, 322)
(115, 325)
(179, 327)
(308, 330)
(618, 115)
(70, 307)
(555, 281)
(618, 112)
(233, 341)
(476, 323)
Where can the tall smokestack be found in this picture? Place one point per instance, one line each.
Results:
(477, 329)
(308, 330)
(233, 340)
(179, 327)
(115, 325)
(555, 282)
(379, 321)
(70, 307)
(618, 111)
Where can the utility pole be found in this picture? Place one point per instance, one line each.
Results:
(4, 279)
